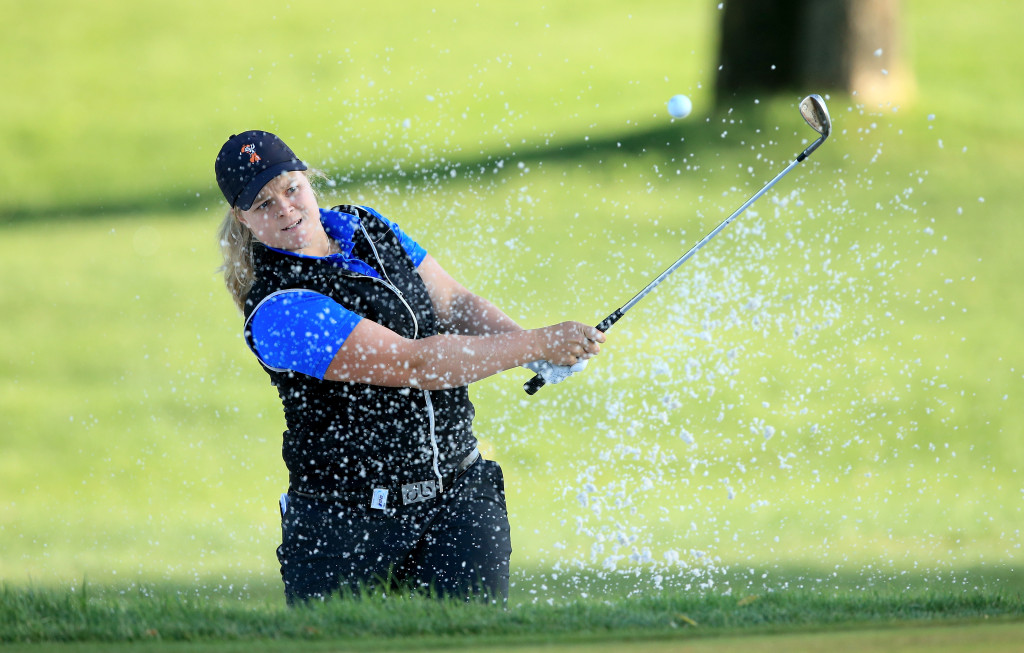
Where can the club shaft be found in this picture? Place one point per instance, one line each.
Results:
(704, 241)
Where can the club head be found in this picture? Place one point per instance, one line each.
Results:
(814, 111)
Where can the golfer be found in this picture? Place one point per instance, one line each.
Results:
(371, 346)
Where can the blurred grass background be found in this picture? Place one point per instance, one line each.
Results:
(831, 392)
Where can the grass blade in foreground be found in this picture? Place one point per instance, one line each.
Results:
(105, 615)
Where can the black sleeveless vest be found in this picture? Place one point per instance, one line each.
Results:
(346, 437)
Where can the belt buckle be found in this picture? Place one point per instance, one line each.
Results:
(418, 491)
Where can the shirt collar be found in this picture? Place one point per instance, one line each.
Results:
(342, 228)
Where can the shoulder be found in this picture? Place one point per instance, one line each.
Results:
(372, 219)
(275, 273)
(367, 215)
(284, 302)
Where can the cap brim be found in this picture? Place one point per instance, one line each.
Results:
(253, 188)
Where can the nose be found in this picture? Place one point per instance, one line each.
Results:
(285, 206)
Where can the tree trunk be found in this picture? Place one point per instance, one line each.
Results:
(812, 46)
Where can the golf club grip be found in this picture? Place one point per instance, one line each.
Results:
(607, 322)
(537, 382)
(534, 384)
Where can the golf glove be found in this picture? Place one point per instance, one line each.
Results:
(555, 373)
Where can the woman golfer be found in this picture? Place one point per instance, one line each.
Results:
(371, 346)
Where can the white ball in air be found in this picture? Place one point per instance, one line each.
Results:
(679, 106)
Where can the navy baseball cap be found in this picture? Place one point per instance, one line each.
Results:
(248, 161)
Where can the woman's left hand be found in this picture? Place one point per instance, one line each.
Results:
(555, 373)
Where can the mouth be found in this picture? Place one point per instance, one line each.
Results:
(295, 224)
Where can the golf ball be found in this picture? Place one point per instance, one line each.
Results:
(679, 106)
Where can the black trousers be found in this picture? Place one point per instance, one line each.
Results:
(457, 545)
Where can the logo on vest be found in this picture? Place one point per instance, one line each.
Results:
(379, 501)
(419, 491)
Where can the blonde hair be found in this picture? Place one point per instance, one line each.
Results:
(236, 249)
(236, 241)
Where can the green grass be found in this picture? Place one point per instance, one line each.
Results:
(81, 614)
(865, 314)
(128, 105)
(967, 637)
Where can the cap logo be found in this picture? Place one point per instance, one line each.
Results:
(250, 149)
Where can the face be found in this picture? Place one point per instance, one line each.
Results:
(285, 214)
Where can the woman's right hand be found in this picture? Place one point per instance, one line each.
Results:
(569, 343)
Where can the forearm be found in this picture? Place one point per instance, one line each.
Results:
(459, 310)
(473, 315)
(449, 361)
(433, 363)
(376, 355)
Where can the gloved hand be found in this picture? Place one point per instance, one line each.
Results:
(555, 373)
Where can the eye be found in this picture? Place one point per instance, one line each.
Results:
(265, 204)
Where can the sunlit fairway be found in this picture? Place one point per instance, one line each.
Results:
(163, 619)
(824, 402)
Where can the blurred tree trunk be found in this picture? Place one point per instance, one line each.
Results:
(812, 46)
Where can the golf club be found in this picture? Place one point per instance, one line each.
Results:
(813, 110)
